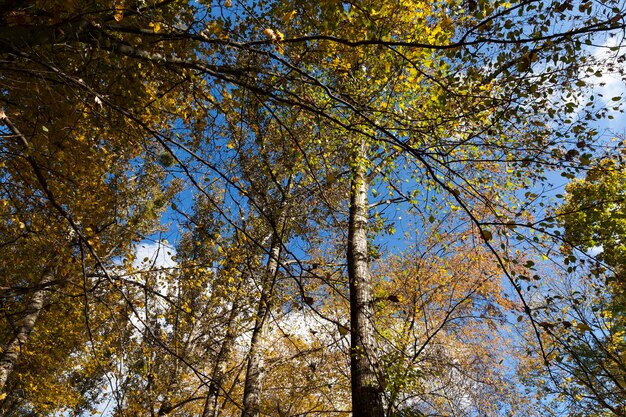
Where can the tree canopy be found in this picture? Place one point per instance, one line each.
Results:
(311, 208)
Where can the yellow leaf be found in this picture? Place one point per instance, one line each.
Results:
(119, 10)
(290, 15)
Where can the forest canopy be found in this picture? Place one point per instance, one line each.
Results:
(296, 208)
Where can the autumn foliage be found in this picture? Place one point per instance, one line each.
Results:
(290, 208)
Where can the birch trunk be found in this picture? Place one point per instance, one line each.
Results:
(366, 388)
(23, 329)
(254, 372)
(211, 406)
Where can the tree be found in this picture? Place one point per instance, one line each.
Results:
(450, 165)
(593, 218)
(584, 314)
(74, 200)
(443, 319)
(63, 220)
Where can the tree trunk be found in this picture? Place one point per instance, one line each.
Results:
(23, 329)
(366, 388)
(211, 406)
(254, 372)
